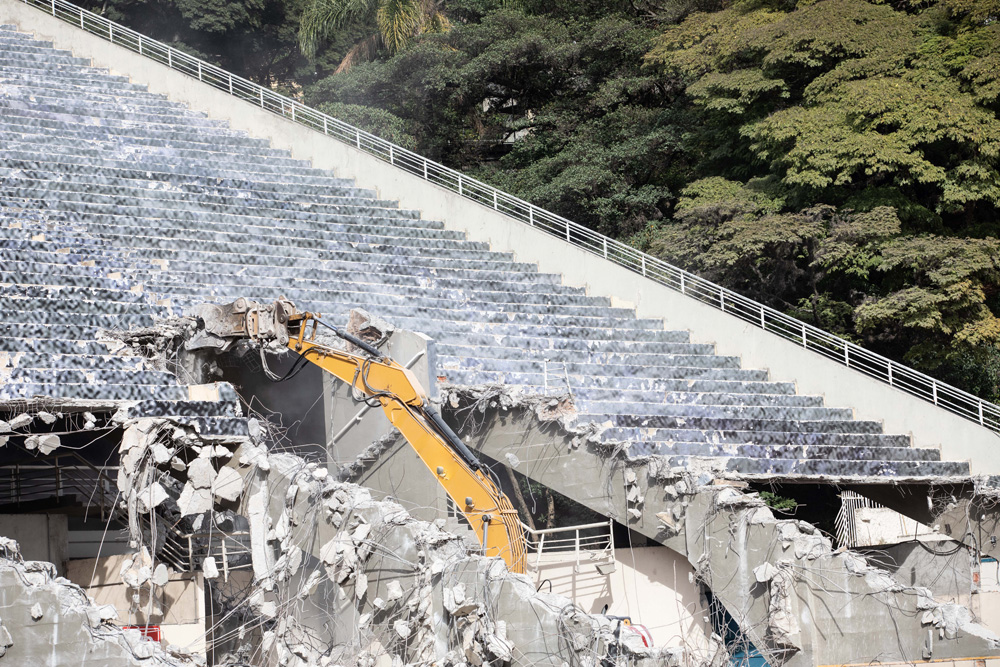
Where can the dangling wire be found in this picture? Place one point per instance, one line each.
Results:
(296, 368)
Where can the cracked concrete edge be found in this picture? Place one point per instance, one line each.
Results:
(726, 534)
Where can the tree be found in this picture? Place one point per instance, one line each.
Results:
(397, 21)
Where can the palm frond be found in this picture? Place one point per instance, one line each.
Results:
(322, 17)
(398, 21)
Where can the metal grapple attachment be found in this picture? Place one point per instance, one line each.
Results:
(221, 325)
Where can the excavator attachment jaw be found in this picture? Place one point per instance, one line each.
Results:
(223, 324)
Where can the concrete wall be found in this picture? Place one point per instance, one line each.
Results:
(42, 537)
(652, 585)
(841, 387)
(179, 607)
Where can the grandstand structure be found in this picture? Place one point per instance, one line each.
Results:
(137, 183)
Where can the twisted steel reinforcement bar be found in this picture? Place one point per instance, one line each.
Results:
(833, 347)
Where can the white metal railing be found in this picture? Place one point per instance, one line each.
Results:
(594, 540)
(809, 337)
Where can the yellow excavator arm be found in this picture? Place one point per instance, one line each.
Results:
(397, 390)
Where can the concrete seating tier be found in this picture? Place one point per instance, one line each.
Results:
(118, 207)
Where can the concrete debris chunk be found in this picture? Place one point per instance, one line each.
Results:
(4, 426)
(36, 611)
(499, 648)
(47, 417)
(6, 641)
(402, 628)
(393, 591)
(20, 421)
(160, 453)
(456, 603)
(48, 443)
(512, 460)
(361, 585)
(361, 533)
(161, 575)
(194, 500)
(764, 573)
(209, 568)
(201, 473)
(98, 616)
(228, 485)
(269, 609)
(151, 497)
(254, 429)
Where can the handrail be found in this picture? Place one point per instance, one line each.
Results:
(811, 338)
(540, 540)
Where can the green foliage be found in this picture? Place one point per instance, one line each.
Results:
(776, 502)
(377, 121)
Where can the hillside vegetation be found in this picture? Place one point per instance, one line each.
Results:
(836, 159)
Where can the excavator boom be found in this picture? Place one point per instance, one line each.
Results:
(404, 401)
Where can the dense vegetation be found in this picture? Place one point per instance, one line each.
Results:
(837, 159)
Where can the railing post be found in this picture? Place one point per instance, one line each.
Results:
(140, 44)
(847, 355)
(53, 7)
(199, 70)
(682, 284)
(643, 258)
(496, 206)
(567, 234)
(763, 324)
(261, 89)
(111, 32)
(889, 367)
(459, 185)
(425, 169)
(541, 545)
(293, 112)
(804, 343)
(81, 18)
(170, 58)
(357, 138)
(576, 568)
(606, 251)
(981, 421)
(326, 130)
(531, 215)
(230, 83)
(722, 300)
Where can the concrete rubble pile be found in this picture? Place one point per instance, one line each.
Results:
(45, 619)
(339, 578)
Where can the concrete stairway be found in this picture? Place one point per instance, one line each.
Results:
(117, 206)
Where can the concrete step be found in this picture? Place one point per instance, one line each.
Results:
(713, 424)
